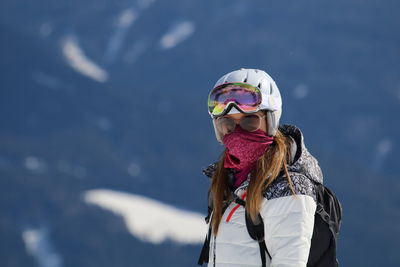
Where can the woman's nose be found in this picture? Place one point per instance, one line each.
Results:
(232, 129)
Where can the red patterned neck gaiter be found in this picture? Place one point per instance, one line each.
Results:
(244, 148)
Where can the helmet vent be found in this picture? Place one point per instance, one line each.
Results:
(270, 89)
(259, 85)
(245, 80)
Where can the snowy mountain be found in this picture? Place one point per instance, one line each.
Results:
(112, 95)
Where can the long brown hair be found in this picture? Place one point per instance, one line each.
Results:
(267, 169)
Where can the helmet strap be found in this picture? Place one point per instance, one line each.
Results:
(271, 123)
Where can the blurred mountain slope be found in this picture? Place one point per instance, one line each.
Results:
(145, 129)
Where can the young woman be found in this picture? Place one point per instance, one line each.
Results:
(265, 165)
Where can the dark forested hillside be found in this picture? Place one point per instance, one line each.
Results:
(98, 94)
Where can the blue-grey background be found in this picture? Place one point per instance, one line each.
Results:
(141, 125)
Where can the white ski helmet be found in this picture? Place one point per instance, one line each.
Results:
(271, 100)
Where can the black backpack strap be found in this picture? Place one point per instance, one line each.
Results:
(205, 250)
(255, 230)
(263, 249)
(204, 254)
(238, 200)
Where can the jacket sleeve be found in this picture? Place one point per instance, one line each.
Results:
(289, 223)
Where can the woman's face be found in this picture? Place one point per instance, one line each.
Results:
(238, 116)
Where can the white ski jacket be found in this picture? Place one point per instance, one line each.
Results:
(288, 219)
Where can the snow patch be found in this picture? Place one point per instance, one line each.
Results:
(135, 51)
(77, 59)
(125, 21)
(151, 220)
(301, 91)
(45, 29)
(134, 169)
(383, 148)
(46, 80)
(79, 171)
(38, 244)
(103, 123)
(127, 17)
(72, 169)
(177, 34)
(35, 164)
(357, 128)
(143, 4)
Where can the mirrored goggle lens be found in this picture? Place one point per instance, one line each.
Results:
(248, 123)
(246, 97)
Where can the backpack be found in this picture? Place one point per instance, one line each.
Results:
(328, 217)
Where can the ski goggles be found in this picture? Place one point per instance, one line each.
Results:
(245, 97)
(250, 123)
